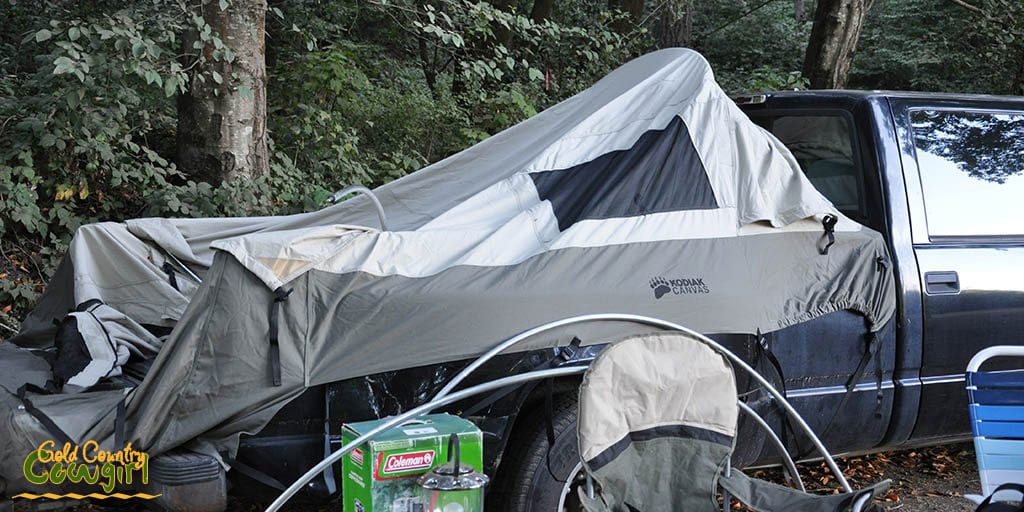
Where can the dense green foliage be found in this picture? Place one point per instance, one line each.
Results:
(946, 47)
(363, 92)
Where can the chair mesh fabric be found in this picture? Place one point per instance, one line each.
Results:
(657, 425)
(657, 422)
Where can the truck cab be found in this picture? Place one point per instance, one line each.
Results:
(942, 177)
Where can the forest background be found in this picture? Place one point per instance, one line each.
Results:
(119, 109)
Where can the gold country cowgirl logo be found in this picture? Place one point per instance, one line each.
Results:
(86, 464)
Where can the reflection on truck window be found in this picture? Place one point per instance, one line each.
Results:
(822, 145)
(972, 171)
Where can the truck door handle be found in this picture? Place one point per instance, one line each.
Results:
(941, 283)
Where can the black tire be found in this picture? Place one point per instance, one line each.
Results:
(531, 477)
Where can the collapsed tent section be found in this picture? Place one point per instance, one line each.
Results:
(650, 193)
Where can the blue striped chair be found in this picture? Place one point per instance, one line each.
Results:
(996, 401)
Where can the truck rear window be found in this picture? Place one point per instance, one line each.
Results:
(972, 171)
(823, 146)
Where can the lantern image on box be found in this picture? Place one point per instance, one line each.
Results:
(452, 486)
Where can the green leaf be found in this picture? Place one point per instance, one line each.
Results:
(63, 65)
(152, 77)
(74, 33)
(223, 5)
(47, 140)
(216, 77)
(536, 74)
(75, 98)
(245, 91)
(138, 49)
(43, 35)
(171, 86)
(277, 12)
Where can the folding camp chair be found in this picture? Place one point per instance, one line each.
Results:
(657, 427)
(996, 405)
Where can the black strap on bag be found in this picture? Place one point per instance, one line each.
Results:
(119, 424)
(58, 435)
(829, 223)
(989, 506)
(280, 295)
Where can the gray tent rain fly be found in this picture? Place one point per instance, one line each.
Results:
(648, 193)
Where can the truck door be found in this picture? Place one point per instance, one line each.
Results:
(964, 172)
(825, 144)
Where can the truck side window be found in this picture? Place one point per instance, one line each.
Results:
(972, 171)
(822, 145)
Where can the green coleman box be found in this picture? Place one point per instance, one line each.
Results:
(380, 476)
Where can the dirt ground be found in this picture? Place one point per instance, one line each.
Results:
(924, 480)
(931, 479)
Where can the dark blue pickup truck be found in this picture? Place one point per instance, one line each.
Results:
(940, 176)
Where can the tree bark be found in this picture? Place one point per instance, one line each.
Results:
(502, 34)
(674, 27)
(837, 26)
(541, 10)
(222, 133)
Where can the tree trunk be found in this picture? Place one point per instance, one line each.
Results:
(837, 26)
(634, 8)
(541, 10)
(502, 34)
(674, 27)
(222, 133)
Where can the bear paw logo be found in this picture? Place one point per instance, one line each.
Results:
(660, 286)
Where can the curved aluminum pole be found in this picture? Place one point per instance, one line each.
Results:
(487, 356)
(368, 193)
(625, 317)
(414, 413)
(786, 459)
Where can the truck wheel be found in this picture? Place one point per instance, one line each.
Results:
(532, 477)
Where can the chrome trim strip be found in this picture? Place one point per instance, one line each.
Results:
(871, 386)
